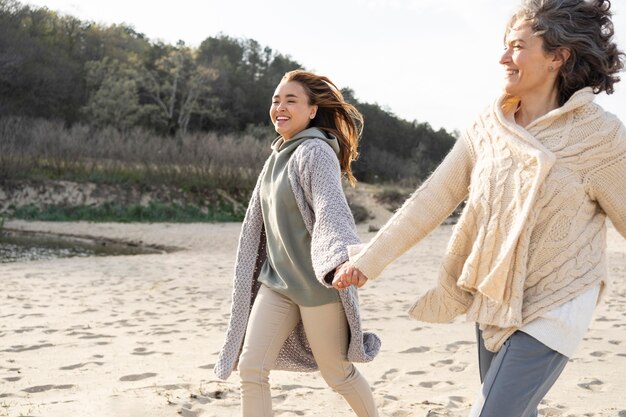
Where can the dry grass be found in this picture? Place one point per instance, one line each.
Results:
(43, 149)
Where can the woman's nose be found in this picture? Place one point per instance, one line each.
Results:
(506, 57)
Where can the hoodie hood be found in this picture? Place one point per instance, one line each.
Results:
(280, 144)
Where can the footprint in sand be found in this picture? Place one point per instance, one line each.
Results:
(218, 394)
(401, 413)
(457, 402)
(142, 351)
(27, 329)
(43, 388)
(79, 365)
(445, 362)
(438, 412)
(453, 347)
(138, 377)
(420, 349)
(96, 336)
(593, 384)
(416, 373)
(435, 384)
(289, 412)
(309, 389)
(277, 399)
(22, 348)
(390, 374)
(186, 411)
(551, 412)
(460, 367)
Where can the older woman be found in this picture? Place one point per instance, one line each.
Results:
(540, 170)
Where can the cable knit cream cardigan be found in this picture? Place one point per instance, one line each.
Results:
(315, 178)
(532, 235)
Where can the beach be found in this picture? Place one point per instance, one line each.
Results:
(138, 335)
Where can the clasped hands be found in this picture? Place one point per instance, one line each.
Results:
(347, 275)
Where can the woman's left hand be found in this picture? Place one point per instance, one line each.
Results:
(348, 275)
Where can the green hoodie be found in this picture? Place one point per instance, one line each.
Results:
(288, 268)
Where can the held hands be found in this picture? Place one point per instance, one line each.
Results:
(347, 275)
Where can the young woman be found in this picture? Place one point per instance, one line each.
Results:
(540, 171)
(285, 312)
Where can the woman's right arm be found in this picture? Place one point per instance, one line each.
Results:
(426, 209)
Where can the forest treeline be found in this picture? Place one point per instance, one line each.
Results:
(59, 69)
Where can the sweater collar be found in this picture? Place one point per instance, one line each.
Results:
(527, 135)
(580, 98)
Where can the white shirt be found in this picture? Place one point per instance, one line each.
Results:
(563, 328)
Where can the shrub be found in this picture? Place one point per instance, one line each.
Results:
(154, 212)
(359, 212)
(391, 198)
(43, 149)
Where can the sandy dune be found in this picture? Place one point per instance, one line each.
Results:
(138, 336)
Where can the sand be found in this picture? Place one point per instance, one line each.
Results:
(139, 335)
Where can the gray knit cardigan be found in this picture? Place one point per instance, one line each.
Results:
(315, 178)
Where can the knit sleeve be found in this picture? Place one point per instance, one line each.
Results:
(426, 209)
(250, 257)
(607, 183)
(333, 227)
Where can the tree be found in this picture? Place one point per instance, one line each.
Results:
(114, 94)
(178, 86)
(247, 77)
(59, 67)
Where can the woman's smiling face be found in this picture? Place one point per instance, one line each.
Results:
(291, 112)
(528, 69)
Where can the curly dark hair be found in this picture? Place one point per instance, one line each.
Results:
(585, 29)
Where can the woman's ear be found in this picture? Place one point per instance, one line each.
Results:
(313, 112)
(560, 57)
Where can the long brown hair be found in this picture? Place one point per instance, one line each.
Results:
(333, 116)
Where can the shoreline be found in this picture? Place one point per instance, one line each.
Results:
(100, 246)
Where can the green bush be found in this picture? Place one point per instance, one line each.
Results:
(154, 212)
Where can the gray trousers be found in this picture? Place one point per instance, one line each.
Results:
(516, 378)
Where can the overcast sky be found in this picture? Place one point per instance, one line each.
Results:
(433, 61)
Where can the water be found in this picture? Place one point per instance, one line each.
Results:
(19, 246)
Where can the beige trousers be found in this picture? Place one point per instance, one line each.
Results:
(272, 319)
